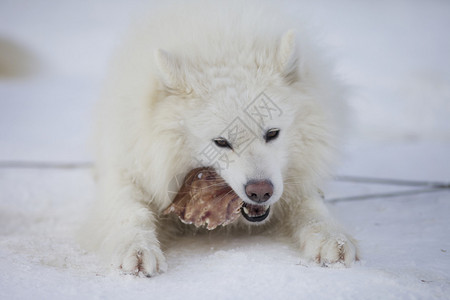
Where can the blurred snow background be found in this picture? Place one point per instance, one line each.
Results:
(394, 54)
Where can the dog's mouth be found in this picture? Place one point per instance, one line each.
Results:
(255, 213)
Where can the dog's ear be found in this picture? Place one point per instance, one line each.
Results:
(288, 57)
(170, 70)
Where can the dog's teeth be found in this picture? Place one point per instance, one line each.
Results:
(245, 210)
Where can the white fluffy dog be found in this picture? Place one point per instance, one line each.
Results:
(227, 85)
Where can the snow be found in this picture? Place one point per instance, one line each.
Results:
(394, 54)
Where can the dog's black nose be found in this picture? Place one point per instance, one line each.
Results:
(259, 191)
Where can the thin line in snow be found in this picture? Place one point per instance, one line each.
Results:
(44, 165)
(387, 181)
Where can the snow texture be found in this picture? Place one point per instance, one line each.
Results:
(394, 54)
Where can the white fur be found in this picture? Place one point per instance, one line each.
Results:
(183, 77)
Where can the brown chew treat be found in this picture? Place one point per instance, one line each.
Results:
(205, 199)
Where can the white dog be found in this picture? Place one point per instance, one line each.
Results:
(227, 85)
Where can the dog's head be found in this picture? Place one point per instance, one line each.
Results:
(240, 116)
(246, 142)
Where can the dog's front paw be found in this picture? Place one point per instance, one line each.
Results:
(148, 261)
(327, 247)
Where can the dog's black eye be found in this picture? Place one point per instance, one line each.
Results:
(222, 143)
(272, 134)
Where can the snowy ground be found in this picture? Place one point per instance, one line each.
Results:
(395, 53)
